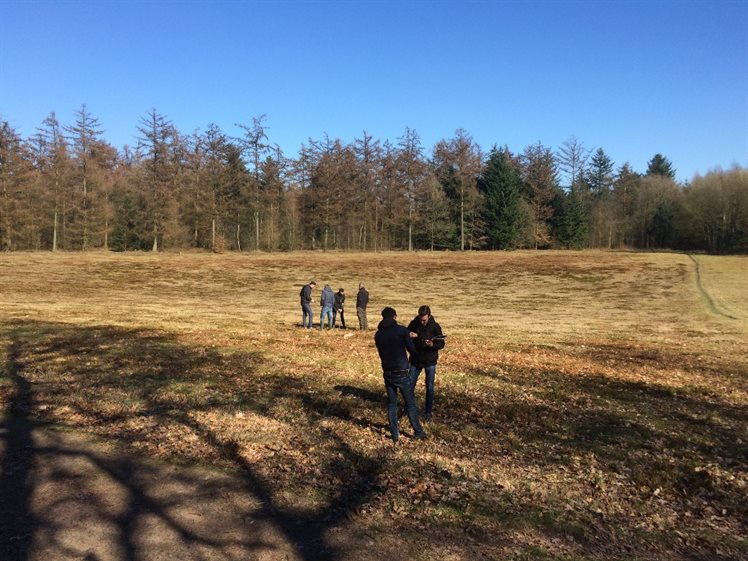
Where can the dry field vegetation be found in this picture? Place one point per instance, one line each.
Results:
(590, 405)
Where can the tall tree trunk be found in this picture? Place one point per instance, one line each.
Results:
(213, 234)
(54, 232)
(462, 217)
(257, 228)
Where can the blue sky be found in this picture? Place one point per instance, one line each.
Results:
(635, 78)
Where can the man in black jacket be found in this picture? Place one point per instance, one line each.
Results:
(338, 308)
(306, 304)
(392, 341)
(429, 340)
(362, 300)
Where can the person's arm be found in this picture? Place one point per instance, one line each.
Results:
(438, 340)
(409, 343)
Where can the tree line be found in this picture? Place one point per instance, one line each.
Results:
(67, 188)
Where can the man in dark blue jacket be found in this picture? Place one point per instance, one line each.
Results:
(392, 340)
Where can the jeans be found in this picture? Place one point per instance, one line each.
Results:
(430, 378)
(326, 311)
(306, 312)
(394, 381)
(335, 313)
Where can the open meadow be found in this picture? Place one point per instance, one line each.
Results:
(589, 405)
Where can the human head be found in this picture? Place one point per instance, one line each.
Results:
(424, 313)
(341, 290)
(312, 284)
(360, 285)
(389, 313)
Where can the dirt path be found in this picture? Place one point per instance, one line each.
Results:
(707, 297)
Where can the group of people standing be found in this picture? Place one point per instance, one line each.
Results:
(332, 305)
(404, 352)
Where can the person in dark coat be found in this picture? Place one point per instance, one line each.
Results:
(429, 340)
(392, 341)
(338, 308)
(362, 300)
(306, 304)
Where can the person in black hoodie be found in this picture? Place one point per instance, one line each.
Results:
(429, 340)
(392, 341)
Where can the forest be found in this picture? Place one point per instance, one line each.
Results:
(66, 188)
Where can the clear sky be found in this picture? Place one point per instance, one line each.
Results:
(634, 78)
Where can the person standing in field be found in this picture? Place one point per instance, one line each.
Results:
(338, 308)
(362, 300)
(392, 341)
(429, 340)
(326, 301)
(306, 304)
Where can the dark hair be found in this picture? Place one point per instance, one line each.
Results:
(424, 311)
(312, 283)
(389, 313)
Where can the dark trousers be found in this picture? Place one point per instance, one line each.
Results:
(306, 314)
(342, 317)
(401, 380)
(363, 323)
(430, 379)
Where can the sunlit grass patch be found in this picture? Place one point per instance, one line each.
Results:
(588, 404)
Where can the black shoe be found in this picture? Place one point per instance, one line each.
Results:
(395, 438)
(420, 436)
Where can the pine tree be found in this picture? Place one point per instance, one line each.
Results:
(501, 186)
(600, 173)
(660, 165)
(573, 225)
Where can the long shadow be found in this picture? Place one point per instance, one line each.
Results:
(17, 523)
(658, 438)
(150, 370)
(158, 383)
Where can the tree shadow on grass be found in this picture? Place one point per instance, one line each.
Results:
(658, 442)
(146, 389)
(17, 522)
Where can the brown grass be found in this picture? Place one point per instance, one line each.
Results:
(589, 404)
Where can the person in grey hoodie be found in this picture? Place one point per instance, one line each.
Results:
(326, 301)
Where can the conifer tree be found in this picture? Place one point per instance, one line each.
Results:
(660, 165)
(501, 186)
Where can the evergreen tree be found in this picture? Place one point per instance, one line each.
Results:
(660, 165)
(572, 223)
(600, 173)
(501, 186)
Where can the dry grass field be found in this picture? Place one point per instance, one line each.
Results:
(590, 405)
